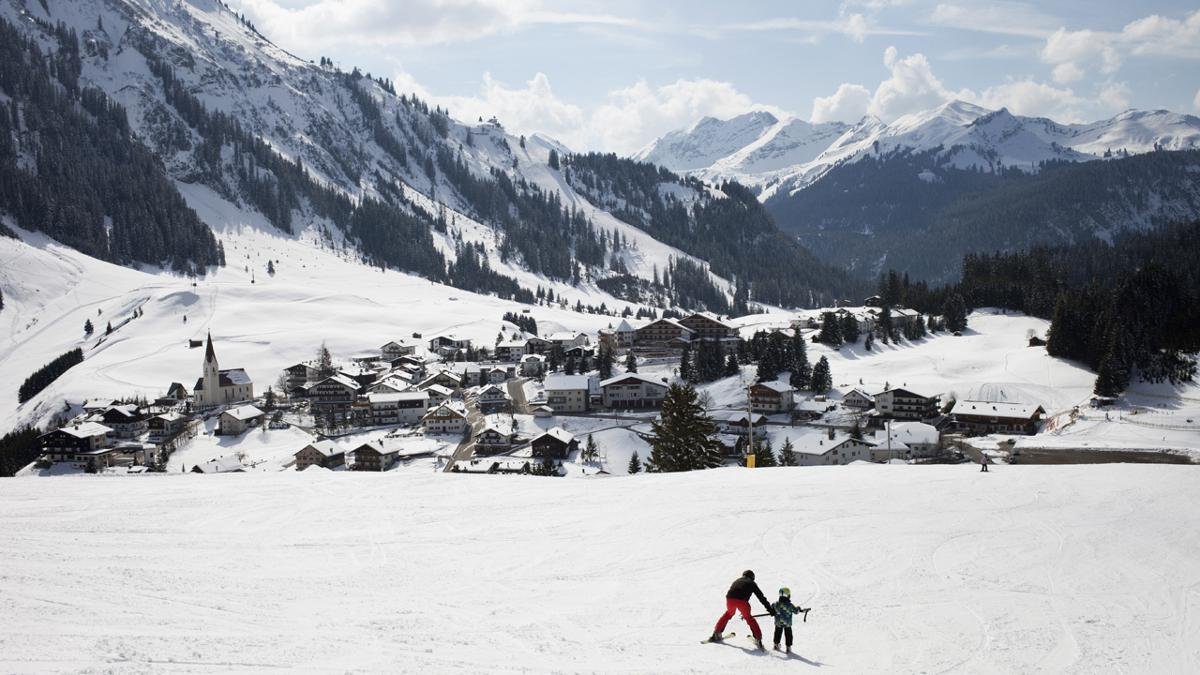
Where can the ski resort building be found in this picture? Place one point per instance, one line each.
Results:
(405, 407)
(568, 393)
(238, 420)
(493, 438)
(909, 440)
(395, 349)
(556, 443)
(662, 335)
(858, 399)
(707, 327)
(323, 453)
(125, 421)
(86, 445)
(632, 390)
(772, 397)
(336, 392)
(444, 419)
(166, 425)
(991, 417)
(493, 398)
(373, 457)
(220, 387)
(903, 404)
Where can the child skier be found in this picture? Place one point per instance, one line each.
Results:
(784, 610)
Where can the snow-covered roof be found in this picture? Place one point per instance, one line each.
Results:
(511, 344)
(997, 409)
(226, 464)
(86, 430)
(616, 379)
(564, 335)
(567, 382)
(776, 386)
(326, 447)
(340, 379)
(624, 327)
(170, 416)
(558, 434)
(912, 433)
(392, 397)
(243, 412)
(902, 392)
(235, 376)
(444, 410)
(438, 389)
(739, 417)
(532, 357)
(861, 393)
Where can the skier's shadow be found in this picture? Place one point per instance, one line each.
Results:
(818, 664)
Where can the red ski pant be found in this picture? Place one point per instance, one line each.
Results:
(734, 605)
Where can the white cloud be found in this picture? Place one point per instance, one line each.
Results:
(1003, 18)
(1067, 72)
(912, 87)
(1028, 97)
(1152, 35)
(533, 107)
(384, 23)
(636, 115)
(849, 103)
(854, 26)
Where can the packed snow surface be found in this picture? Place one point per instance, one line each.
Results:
(906, 568)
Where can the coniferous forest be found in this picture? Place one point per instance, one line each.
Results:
(1129, 309)
(71, 168)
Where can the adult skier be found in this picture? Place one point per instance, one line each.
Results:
(738, 600)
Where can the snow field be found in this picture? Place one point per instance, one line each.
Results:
(931, 569)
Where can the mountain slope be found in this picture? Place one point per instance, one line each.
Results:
(910, 212)
(341, 154)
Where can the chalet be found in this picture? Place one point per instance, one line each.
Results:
(438, 395)
(625, 334)
(393, 383)
(542, 411)
(410, 364)
(568, 393)
(166, 425)
(396, 348)
(827, 448)
(218, 387)
(448, 345)
(405, 407)
(511, 350)
(533, 365)
(237, 420)
(365, 377)
(902, 317)
(903, 404)
(710, 328)
(909, 440)
(662, 335)
(493, 439)
(124, 420)
(568, 339)
(991, 417)
(632, 390)
(493, 398)
(324, 453)
(606, 338)
(858, 399)
(537, 345)
(86, 445)
(336, 392)
(299, 375)
(556, 443)
(444, 378)
(373, 456)
(1035, 341)
(738, 423)
(178, 392)
(444, 419)
(772, 397)
(500, 374)
(226, 464)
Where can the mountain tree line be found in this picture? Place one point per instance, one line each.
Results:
(43, 377)
(70, 166)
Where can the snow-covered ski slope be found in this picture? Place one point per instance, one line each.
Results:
(908, 569)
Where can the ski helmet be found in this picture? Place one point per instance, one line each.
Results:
(749, 574)
(785, 592)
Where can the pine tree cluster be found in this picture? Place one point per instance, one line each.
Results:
(683, 437)
(47, 374)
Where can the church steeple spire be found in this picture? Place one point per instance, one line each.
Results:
(210, 356)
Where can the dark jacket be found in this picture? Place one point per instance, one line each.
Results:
(743, 588)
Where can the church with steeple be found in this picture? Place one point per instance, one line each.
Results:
(220, 387)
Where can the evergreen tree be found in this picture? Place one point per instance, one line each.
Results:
(569, 369)
(955, 312)
(850, 332)
(324, 362)
(553, 161)
(43, 377)
(764, 455)
(886, 328)
(787, 454)
(687, 370)
(269, 399)
(731, 366)
(1113, 375)
(88, 327)
(635, 465)
(831, 330)
(590, 452)
(630, 362)
(108, 329)
(801, 371)
(271, 267)
(822, 379)
(682, 438)
(605, 363)
(869, 342)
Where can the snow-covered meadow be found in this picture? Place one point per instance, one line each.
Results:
(907, 569)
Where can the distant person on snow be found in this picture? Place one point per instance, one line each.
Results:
(784, 610)
(983, 462)
(738, 600)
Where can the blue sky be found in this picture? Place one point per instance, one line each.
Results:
(615, 75)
